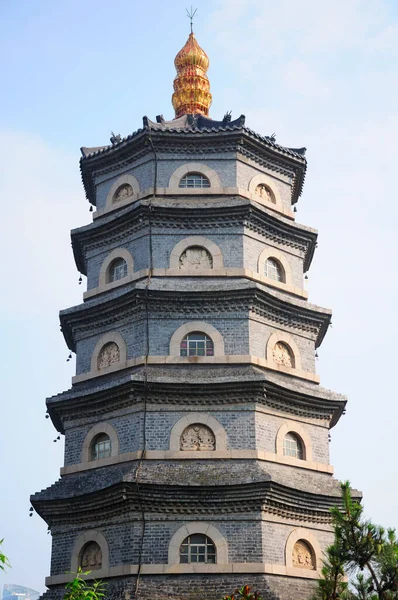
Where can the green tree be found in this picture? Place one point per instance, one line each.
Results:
(80, 589)
(3, 559)
(366, 552)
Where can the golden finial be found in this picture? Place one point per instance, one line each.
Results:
(191, 85)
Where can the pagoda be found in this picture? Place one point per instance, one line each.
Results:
(196, 431)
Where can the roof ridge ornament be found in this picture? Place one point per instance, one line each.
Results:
(191, 85)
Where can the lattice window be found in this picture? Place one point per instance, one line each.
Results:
(303, 555)
(101, 446)
(198, 548)
(91, 557)
(117, 270)
(194, 180)
(274, 270)
(292, 446)
(197, 344)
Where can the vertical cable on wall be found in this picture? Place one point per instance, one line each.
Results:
(146, 387)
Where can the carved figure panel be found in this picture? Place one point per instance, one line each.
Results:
(282, 355)
(122, 192)
(198, 437)
(303, 556)
(264, 192)
(91, 557)
(109, 354)
(196, 257)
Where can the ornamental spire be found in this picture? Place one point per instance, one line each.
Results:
(191, 85)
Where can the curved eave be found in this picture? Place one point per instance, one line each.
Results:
(124, 217)
(106, 156)
(61, 504)
(249, 293)
(252, 386)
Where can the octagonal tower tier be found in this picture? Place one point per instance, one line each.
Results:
(196, 431)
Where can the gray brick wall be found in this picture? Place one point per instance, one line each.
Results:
(245, 429)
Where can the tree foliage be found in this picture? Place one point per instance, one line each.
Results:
(244, 593)
(366, 552)
(80, 589)
(3, 559)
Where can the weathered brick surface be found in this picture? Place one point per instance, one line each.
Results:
(256, 535)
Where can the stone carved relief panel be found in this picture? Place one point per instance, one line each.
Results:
(303, 556)
(124, 191)
(264, 192)
(196, 257)
(198, 437)
(109, 355)
(91, 557)
(282, 355)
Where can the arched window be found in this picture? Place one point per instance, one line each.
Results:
(283, 355)
(292, 446)
(198, 548)
(109, 354)
(195, 257)
(197, 437)
(265, 192)
(303, 555)
(101, 446)
(274, 270)
(123, 191)
(197, 344)
(194, 180)
(90, 557)
(117, 270)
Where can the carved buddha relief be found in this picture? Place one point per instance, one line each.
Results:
(282, 355)
(196, 257)
(109, 354)
(197, 437)
(303, 557)
(91, 557)
(264, 192)
(123, 192)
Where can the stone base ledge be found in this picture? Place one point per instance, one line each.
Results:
(227, 359)
(178, 569)
(232, 454)
(189, 193)
(225, 272)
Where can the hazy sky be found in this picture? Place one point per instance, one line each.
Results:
(318, 74)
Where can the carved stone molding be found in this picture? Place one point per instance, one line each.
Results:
(109, 355)
(303, 556)
(198, 437)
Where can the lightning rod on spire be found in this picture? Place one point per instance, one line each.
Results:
(190, 14)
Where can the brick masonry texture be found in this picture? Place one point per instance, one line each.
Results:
(253, 535)
(201, 587)
(245, 430)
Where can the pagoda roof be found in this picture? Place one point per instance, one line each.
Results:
(216, 385)
(240, 212)
(190, 126)
(257, 486)
(276, 305)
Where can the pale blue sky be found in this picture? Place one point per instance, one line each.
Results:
(320, 75)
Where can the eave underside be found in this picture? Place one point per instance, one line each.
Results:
(248, 216)
(166, 501)
(259, 149)
(194, 386)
